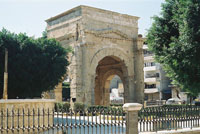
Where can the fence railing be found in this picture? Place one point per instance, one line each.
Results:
(102, 121)
(97, 121)
(168, 118)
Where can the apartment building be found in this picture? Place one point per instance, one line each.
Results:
(156, 83)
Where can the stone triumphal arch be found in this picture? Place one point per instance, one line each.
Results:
(104, 44)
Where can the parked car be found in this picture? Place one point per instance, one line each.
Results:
(197, 102)
(172, 101)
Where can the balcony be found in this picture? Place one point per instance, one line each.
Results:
(148, 58)
(151, 90)
(150, 80)
(148, 54)
(152, 75)
(151, 68)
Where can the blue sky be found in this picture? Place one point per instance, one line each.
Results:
(29, 15)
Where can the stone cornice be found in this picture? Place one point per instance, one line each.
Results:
(105, 34)
(88, 8)
(100, 34)
(64, 24)
(63, 14)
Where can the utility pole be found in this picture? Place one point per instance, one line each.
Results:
(5, 88)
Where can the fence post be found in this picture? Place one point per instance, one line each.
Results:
(132, 117)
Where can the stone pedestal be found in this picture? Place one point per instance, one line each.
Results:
(5, 90)
(132, 117)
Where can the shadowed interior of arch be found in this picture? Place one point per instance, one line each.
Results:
(107, 68)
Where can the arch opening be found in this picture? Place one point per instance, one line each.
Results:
(106, 70)
(116, 90)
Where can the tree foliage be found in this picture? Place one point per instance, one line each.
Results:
(174, 37)
(34, 65)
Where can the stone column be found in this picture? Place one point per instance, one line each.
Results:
(132, 117)
(106, 93)
(58, 92)
(138, 70)
(5, 88)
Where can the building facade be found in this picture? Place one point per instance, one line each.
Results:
(155, 80)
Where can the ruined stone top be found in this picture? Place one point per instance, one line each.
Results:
(94, 13)
(73, 22)
(83, 7)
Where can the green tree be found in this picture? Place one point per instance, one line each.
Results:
(34, 65)
(44, 33)
(174, 37)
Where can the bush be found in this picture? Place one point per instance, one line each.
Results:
(66, 106)
(60, 106)
(197, 103)
(79, 107)
(105, 109)
(116, 105)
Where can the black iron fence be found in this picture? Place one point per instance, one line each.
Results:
(169, 118)
(46, 121)
(95, 120)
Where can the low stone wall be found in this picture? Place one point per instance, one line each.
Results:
(27, 104)
(16, 114)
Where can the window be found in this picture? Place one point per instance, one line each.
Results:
(147, 53)
(149, 64)
(150, 86)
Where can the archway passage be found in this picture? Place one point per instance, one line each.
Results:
(116, 91)
(107, 68)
